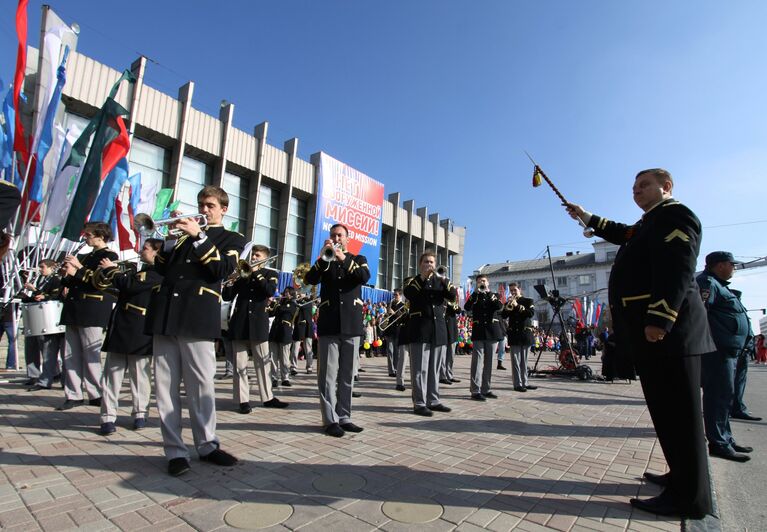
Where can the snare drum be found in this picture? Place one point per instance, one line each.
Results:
(42, 318)
(226, 308)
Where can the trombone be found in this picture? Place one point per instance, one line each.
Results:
(245, 269)
(147, 227)
(394, 317)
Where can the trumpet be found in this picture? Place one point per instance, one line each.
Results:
(441, 271)
(329, 252)
(483, 288)
(147, 227)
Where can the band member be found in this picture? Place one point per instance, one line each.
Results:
(339, 327)
(185, 317)
(303, 332)
(451, 322)
(485, 332)
(427, 332)
(126, 345)
(403, 351)
(281, 335)
(249, 329)
(86, 313)
(660, 321)
(391, 334)
(519, 311)
(47, 288)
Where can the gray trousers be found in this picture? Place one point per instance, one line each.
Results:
(519, 365)
(263, 364)
(308, 354)
(82, 362)
(335, 369)
(140, 379)
(446, 365)
(392, 352)
(403, 355)
(192, 360)
(424, 373)
(482, 365)
(49, 346)
(280, 361)
(32, 356)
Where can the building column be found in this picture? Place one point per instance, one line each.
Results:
(259, 132)
(391, 239)
(225, 115)
(291, 147)
(185, 94)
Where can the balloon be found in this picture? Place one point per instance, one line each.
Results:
(460, 344)
(377, 343)
(366, 345)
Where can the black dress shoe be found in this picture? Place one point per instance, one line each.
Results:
(422, 411)
(70, 403)
(490, 395)
(392, 374)
(400, 387)
(660, 480)
(107, 428)
(456, 380)
(500, 366)
(335, 430)
(728, 454)
(94, 402)
(351, 427)
(746, 416)
(245, 408)
(446, 381)
(356, 394)
(286, 383)
(275, 383)
(742, 448)
(293, 373)
(178, 466)
(275, 403)
(478, 397)
(520, 389)
(37, 388)
(440, 408)
(662, 505)
(29, 382)
(222, 377)
(528, 387)
(219, 457)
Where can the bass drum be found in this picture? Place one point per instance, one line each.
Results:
(568, 359)
(42, 318)
(226, 310)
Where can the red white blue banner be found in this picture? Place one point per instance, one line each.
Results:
(349, 197)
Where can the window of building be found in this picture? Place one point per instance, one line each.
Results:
(611, 255)
(415, 246)
(153, 163)
(383, 271)
(267, 217)
(561, 281)
(295, 240)
(237, 189)
(399, 243)
(194, 176)
(584, 279)
(540, 281)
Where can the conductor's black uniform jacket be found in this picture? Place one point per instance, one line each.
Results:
(653, 281)
(426, 323)
(188, 301)
(485, 323)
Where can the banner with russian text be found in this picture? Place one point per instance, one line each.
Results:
(349, 197)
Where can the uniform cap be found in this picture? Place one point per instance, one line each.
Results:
(719, 256)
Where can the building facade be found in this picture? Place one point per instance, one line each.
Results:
(575, 275)
(271, 189)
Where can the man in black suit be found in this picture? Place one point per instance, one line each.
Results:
(339, 327)
(660, 321)
(486, 330)
(520, 311)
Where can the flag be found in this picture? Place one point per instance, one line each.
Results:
(62, 188)
(127, 238)
(537, 176)
(110, 189)
(578, 309)
(135, 192)
(598, 313)
(6, 147)
(163, 197)
(46, 134)
(502, 292)
(19, 141)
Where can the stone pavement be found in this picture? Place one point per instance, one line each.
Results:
(567, 456)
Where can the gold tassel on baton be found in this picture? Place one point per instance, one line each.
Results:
(539, 174)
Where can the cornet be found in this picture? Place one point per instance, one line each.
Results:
(329, 252)
(147, 227)
(441, 271)
(483, 288)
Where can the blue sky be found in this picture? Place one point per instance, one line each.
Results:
(438, 99)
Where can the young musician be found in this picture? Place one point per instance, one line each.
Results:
(126, 344)
(427, 332)
(249, 329)
(485, 332)
(339, 327)
(303, 333)
(520, 311)
(184, 316)
(86, 312)
(281, 335)
(47, 345)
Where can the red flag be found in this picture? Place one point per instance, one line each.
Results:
(19, 141)
(126, 234)
(578, 309)
(115, 150)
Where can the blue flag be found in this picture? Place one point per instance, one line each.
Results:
(105, 202)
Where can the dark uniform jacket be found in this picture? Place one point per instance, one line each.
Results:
(426, 323)
(652, 282)
(282, 325)
(340, 309)
(49, 288)
(520, 316)
(393, 330)
(125, 333)
(250, 320)
(188, 301)
(485, 322)
(451, 322)
(302, 326)
(727, 317)
(86, 305)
